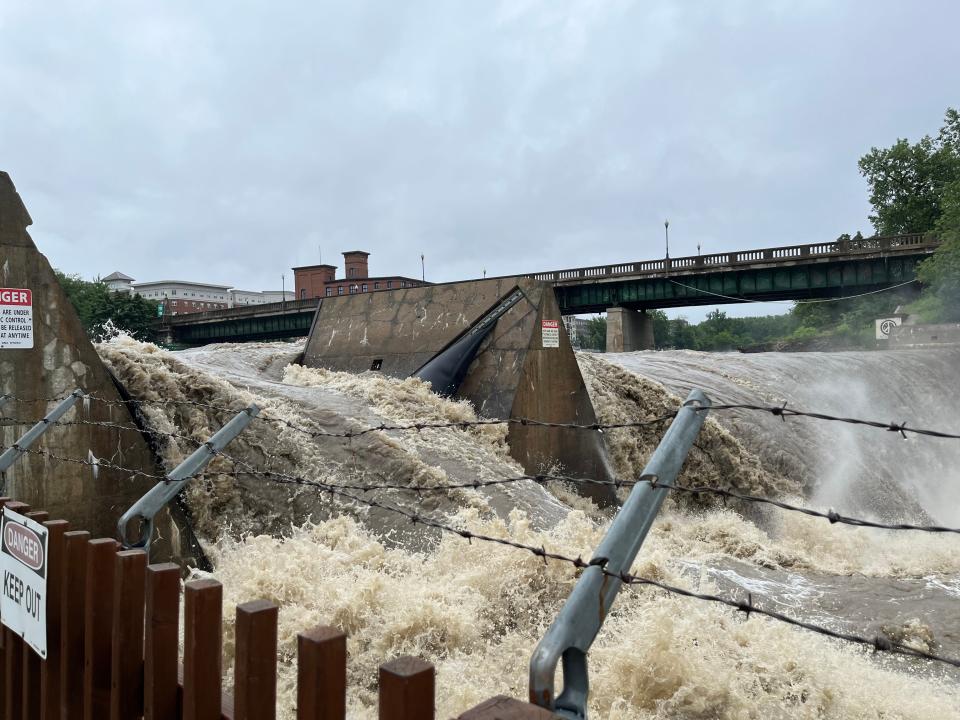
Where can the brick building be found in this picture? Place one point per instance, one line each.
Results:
(312, 281)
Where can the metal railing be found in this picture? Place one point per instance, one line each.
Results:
(156, 498)
(289, 306)
(8, 458)
(580, 619)
(840, 248)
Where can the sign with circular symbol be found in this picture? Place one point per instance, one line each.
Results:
(885, 326)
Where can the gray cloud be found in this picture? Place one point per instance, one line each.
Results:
(230, 141)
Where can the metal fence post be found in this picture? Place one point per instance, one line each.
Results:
(14, 452)
(156, 498)
(573, 632)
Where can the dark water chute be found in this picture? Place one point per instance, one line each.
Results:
(446, 370)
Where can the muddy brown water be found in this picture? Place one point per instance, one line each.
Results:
(477, 610)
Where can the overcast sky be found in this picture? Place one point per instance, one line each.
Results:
(229, 141)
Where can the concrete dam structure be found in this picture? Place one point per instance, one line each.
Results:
(50, 358)
(523, 368)
(519, 364)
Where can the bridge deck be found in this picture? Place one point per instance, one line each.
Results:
(821, 270)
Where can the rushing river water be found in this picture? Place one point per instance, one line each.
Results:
(477, 610)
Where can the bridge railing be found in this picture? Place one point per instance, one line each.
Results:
(244, 310)
(837, 248)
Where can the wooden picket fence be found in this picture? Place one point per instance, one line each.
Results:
(113, 650)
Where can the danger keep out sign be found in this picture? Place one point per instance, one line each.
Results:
(16, 318)
(550, 330)
(23, 559)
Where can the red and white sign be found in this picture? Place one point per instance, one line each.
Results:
(23, 594)
(550, 330)
(16, 319)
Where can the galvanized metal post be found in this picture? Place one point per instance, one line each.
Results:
(15, 451)
(155, 499)
(580, 619)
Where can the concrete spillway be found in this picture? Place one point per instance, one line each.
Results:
(524, 367)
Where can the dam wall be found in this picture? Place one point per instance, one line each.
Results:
(52, 359)
(525, 368)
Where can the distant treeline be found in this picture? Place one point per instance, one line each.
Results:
(841, 324)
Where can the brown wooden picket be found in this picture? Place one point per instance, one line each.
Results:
(160, 642)
(321, 674)
(126, 670)
(98, 628)
(72, 619)
(50, 670)
(112, 650)
(255, 685)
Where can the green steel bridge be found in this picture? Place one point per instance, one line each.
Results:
(797, 272)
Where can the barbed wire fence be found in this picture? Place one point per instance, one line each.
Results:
(878, 643)
(782, 411)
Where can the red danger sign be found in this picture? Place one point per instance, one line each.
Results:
(550, 332)
(16, 319)
(23, 592)
(24, 544)
(9, 296)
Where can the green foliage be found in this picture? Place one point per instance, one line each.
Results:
(907, 181)
(99, 308)
(596, 336)
(721, 332)
(849, 322)
(940, 273)
(661, 325)
(682, 335)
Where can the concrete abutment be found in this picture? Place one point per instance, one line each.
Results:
(629, 330)
(525, 368)
(56, 474)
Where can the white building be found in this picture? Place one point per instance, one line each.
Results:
(183, 296)
(118, 282)
(576, 329)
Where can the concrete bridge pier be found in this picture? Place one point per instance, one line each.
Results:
(629, 330)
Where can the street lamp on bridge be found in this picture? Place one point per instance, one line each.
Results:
(666, 232)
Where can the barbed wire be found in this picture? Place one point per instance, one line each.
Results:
(783, 412)
(539, 478)
(93, 464)
(831, 515)
(384, 427)
(879, 643)
(544, 478)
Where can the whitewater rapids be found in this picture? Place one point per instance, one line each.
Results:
(477, 610)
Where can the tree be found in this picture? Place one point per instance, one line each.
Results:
(940, 273)
(661, 328)
(96, 306)
(683, 335)
(596, 335)
(908, 181)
